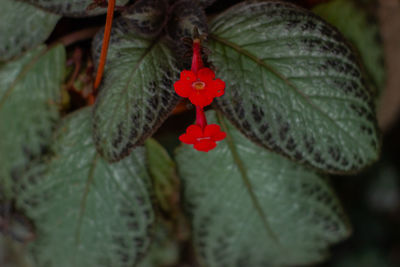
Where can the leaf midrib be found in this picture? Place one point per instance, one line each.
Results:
(129, 81)
(89, 181)
(306, 99)
(246, 180)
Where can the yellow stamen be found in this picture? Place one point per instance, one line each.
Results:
(199, 85)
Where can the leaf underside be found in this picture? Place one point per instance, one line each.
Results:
(22, 26)
(73, 8)
(293, 86)
(252, 207)
(29, 95)
(136, 94)
(87, 212)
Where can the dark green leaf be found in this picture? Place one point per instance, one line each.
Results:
(29, 93)
(87, 212)
(74, 8)
(293, 86)
(22, 26)
(252, 207)
(146, 17)
(136, 94)
(163, 251)
(186, 15)
(356, 25)
(163, 173)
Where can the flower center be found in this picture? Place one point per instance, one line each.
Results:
(199, 85)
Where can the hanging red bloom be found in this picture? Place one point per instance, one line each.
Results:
(200, 88)
(203, 140)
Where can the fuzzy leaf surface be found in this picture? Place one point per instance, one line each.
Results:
(73, 8)
(186, 16)
(293, 86)
(253, 207)
(136, 94)
(87, 212)
(146, 17)
(356, 25)
(29, 92)
(23, 26)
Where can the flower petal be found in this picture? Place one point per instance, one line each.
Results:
(205, 74)
(205, 145)
(219, 136)
(187, 139)
(188, 75)
(194, 131)
(212, 129)
(183, 88)
(217, 87)
(200, 99)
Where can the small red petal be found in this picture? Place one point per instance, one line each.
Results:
(219, 136)
(187, 139)
(183, 88)
(217, 86)
(200, 99)
(205, 74)
(188, 75)
(205, 145)
(214, 131)
(194, 131)
(211, 130)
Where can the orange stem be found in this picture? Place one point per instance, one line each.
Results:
(106, 40)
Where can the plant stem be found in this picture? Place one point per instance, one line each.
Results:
(104, 48)
(197, 62)
(201, 119)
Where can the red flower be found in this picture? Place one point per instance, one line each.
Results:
(203, 140)
(200, 88)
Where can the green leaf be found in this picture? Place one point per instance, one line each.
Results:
(252, 207)
(87, 212)
(73, 8)
(146, 17)
(293, 86)
(29, 94)
(22, 26)
(356, 25)
(163, 251)
(163, 173)
(136, 94)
